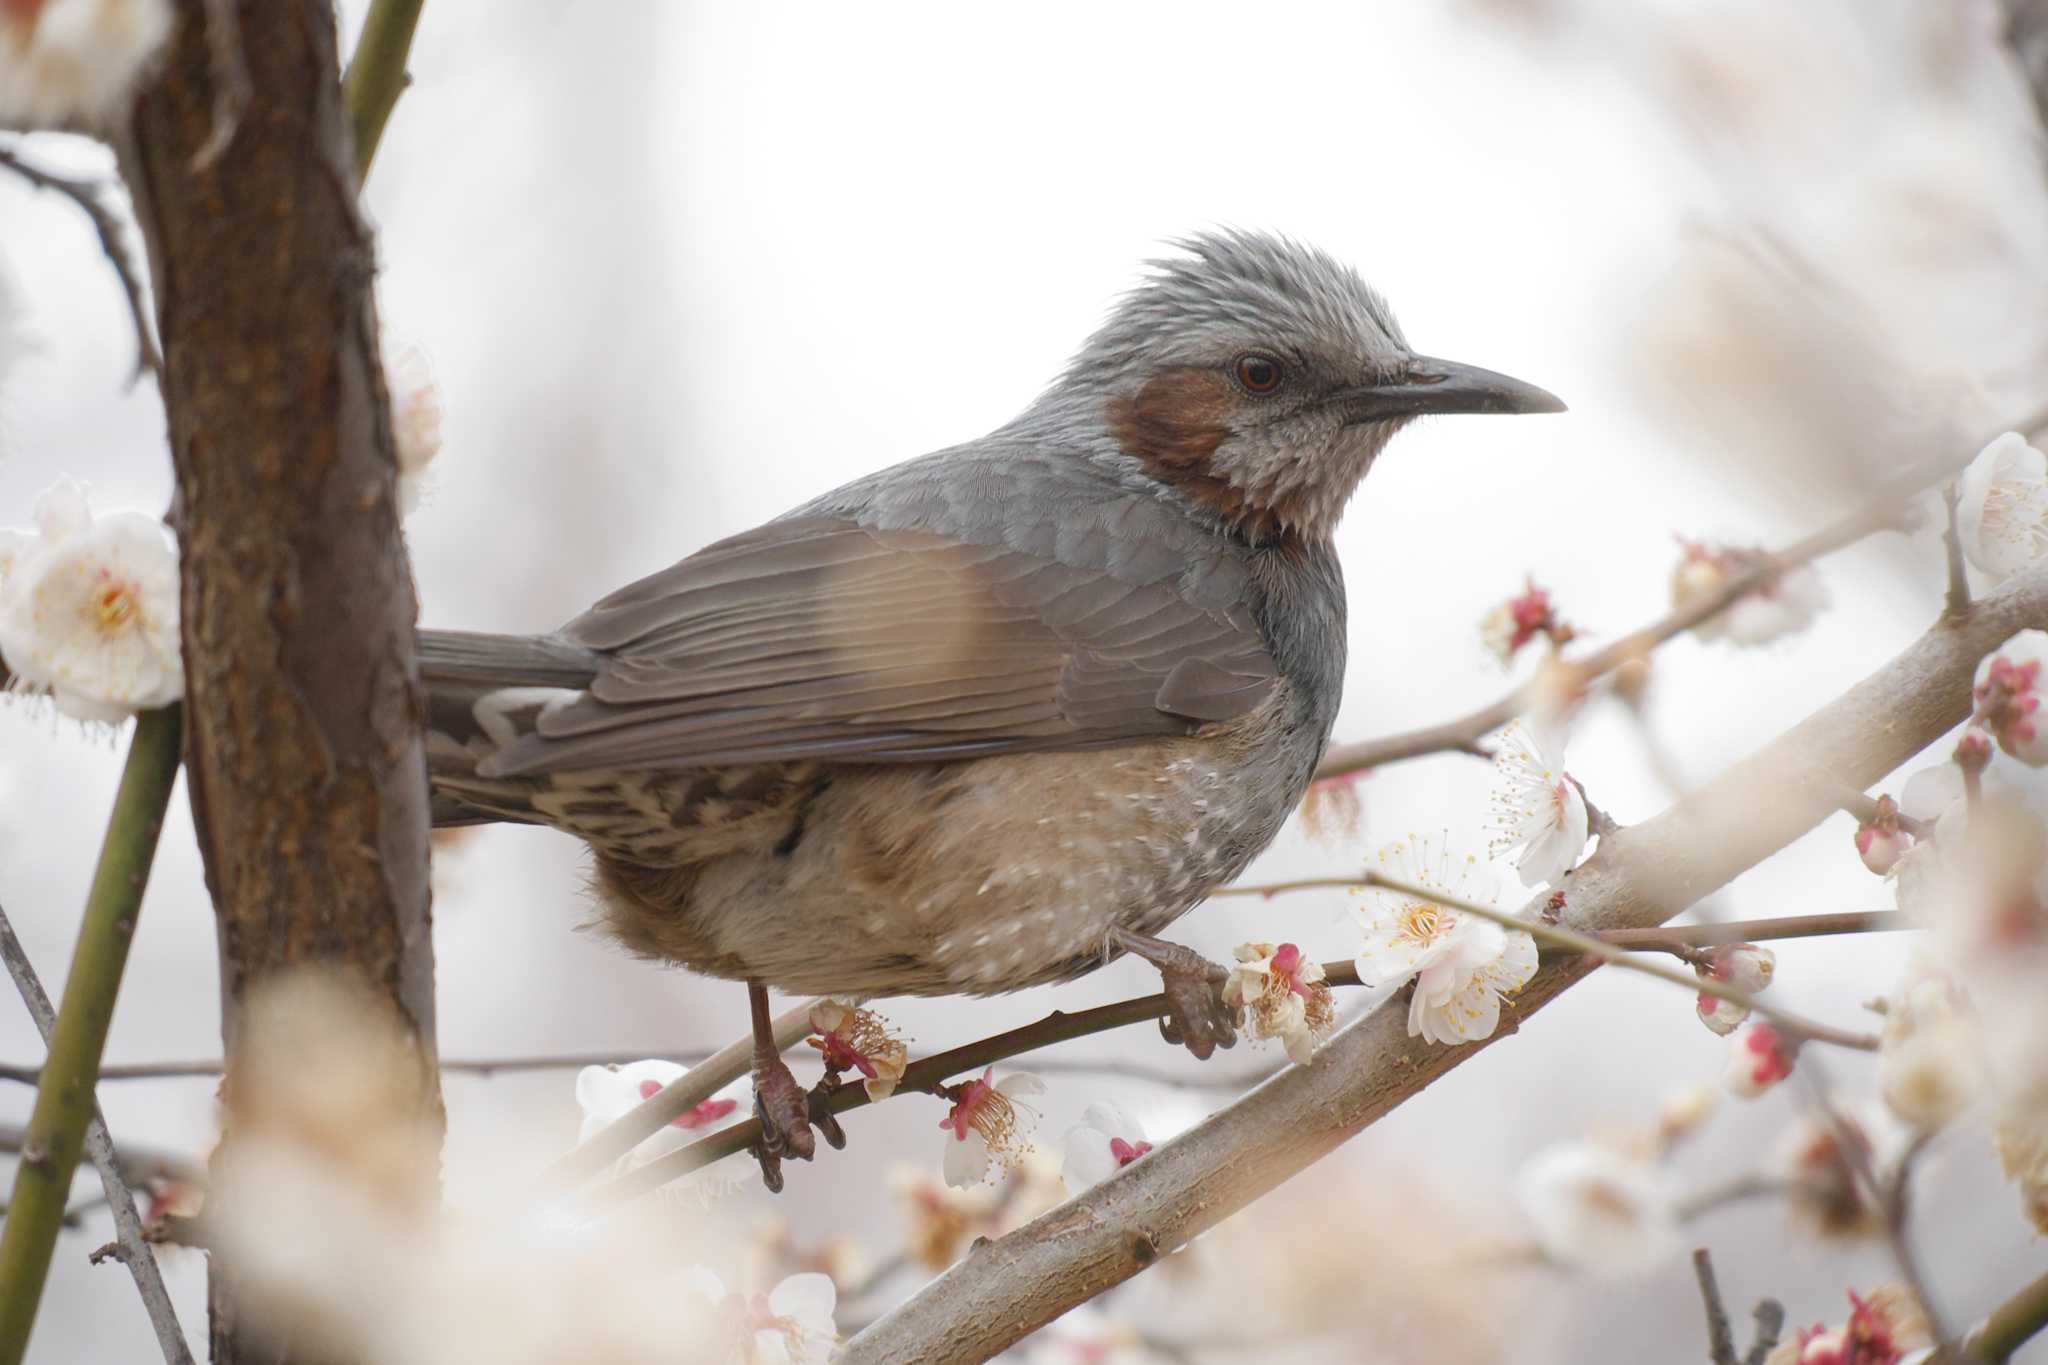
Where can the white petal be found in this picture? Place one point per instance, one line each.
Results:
(1596, 1210)
(966, 1160)
(809, 1298)
(1931, 791)
(702, 1282)
(1088, 1161)
(1112, 1121)
(1020, 1083)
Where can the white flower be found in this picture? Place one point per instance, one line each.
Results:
(789, 1325)
(1537, 810)
(1086, 1337)
(89, 610)
(1462, 964)
(854, 1039)
(1520, 619)
(988, 1125)
(1785, 605)
(1931, 1064)
(415, 420)
(2002, 506)
(607, 1094)
(2008, 693)
(1283, 990)
(73, 61)
(1104, 1142)
(1598, 1210)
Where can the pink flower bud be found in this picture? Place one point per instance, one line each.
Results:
(1881, 842)
(1758, 1058)
(1519, 620)
(1973, 750)
(1719, 1015)
(1744, 966)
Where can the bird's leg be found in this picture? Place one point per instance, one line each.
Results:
(1196, 1016)
(779, 1102)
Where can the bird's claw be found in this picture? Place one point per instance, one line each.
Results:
(1196, 1016)
(783, 1109)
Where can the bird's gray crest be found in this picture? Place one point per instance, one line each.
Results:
(1233, 286)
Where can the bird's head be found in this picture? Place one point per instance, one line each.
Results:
(1260, 378)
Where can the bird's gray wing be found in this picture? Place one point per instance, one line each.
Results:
(818, 638)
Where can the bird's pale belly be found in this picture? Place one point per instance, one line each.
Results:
(976, 877)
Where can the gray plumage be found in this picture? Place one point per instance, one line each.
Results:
(943, 729)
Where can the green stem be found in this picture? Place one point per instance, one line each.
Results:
(2010, 1325)
(64, 1099)
(376, 74)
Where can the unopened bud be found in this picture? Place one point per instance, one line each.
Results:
(1881, 841)
(1758, 1058)
(1973, 751)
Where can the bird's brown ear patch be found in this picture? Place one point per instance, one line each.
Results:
(1174, 424)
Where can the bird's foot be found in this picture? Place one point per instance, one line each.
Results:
(1196, 1016)
(782, 1106)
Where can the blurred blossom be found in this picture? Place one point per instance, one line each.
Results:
(1928, 793)
(89, 609)
(1977, 884)
(1819, 1161)
(1879, 1331)
(940, 1219)
(415, 420)
(1599, 1210)
(1085, 1336)
(1463, 965)
(1283, 991)
(1783, 604)
(1684, 1112)
(607, 1094)
(1931, 1063)
(2002, 506)
(988, 1125)
(1758, 1058)
(2022, 1143)
(791, 1324)
(854, 1039)
(2007, 694)
(1519, 620)
(1880, 841)
(1333, 811)
(776, 1251)
(64, 62)
(1538, 810)
(1104, 1142)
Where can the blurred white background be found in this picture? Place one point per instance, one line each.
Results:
(680, 267)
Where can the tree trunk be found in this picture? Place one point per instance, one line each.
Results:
(303, 750)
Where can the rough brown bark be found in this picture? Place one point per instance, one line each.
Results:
(303, 751)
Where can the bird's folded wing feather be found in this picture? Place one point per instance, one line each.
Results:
(815, 638)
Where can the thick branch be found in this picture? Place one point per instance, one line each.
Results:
(64, 1101)
(1641, 876)
(305, 764)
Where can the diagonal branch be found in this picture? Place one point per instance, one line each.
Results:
(1641, 877)
(99, 1149)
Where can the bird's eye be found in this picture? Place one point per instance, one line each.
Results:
(1258, 373)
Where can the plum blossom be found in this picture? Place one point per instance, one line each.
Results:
(940, 1219)
(1087, 1337)
(1600, 1210)
(1463, 965)
(1283, 991)
(791, 1324)
(2007, 694)
(854, 1039)
(1930, 1062)
(1880, 1330)
(607, 1093)
(1881, 840)
(1537, 808)
(1104, 1142)
(2022, 1145)
(1783, 605)
(415, 420)
(1517, 621)
(89, 609)
(74, 61)
(1758, 1058)
(1744, 966)
(1820, 1158)
(2002, 506)
(1333, 810)
(988, 1125)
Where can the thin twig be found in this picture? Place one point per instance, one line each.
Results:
(1735, 1191)
(376, 74)
(2011, 1325)
(99, 1149)
(1674, 938)
(1462, 735)
(1770, 1320)
(86, 195)
(1958, 601)
(1720, 1336)
(64, 1101)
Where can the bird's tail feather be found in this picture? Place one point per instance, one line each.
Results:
(482, 690)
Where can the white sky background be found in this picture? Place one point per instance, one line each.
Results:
(681, 267)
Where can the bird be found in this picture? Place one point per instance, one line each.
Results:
(995, 716)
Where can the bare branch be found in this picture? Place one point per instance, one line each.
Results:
(148, 360)
(1642, 876)
(1958, 600)
(376, 74)
(2011, 1325)
(1770, 1320)
(1720, 1336)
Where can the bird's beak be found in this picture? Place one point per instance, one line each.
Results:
(1426, 385)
